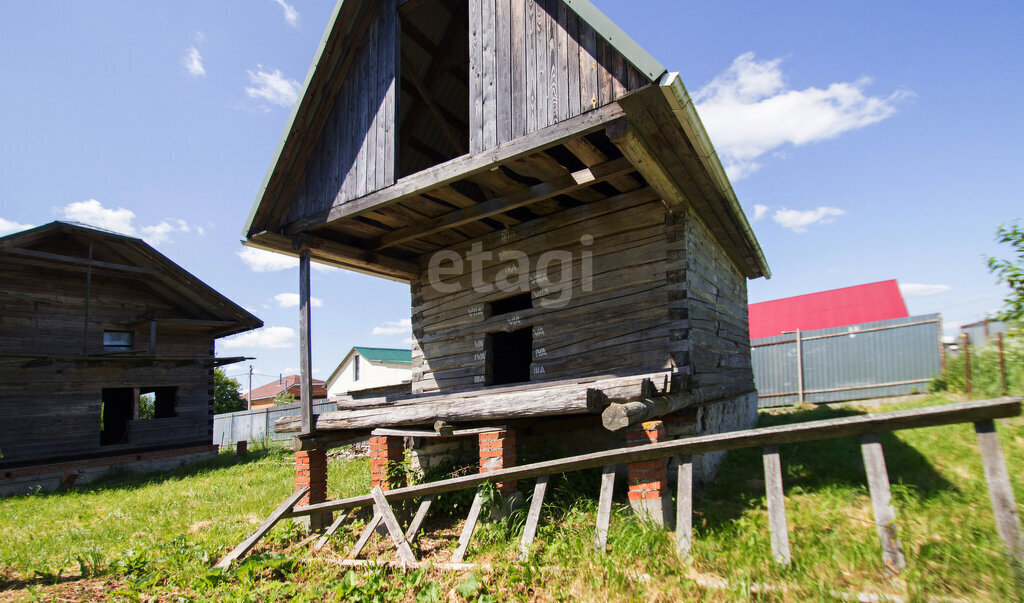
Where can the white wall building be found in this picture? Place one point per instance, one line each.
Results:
(364, 368)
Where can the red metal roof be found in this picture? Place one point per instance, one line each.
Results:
(289, 382)
(825, 309)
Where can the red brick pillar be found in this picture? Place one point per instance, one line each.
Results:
(311, 470)
(498, 451)
(648, 480)
(384, 452)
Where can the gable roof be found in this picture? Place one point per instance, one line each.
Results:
(825, 309)
(56, 243)
(272, 389)
(695, 173)
(396, 355)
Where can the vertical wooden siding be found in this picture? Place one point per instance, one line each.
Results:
(535, 63)
(355, 154)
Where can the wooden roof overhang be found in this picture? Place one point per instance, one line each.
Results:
(637, 149)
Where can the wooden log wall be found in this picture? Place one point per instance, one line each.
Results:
(53, 410)
(355, 154)
(708, 307)
(535, 63)
(618, 326)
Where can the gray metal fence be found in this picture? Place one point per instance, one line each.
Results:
(250, 425)
(869, 360)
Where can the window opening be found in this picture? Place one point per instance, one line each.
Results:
(118, 341)
(116, 410)
(522, 301)
(433, 105)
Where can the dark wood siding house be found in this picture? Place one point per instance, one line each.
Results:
(106, 355)
(547, 189)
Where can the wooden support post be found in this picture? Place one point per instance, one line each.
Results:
(305, 354)
(684, 506)
(467, 530)
(247, 544)
(533, 517)
(604, 507)
(368, 531)
(1000, 492)
(417, 520)
(881, 500)
(322, 542)
(776, 505)
(395, 530)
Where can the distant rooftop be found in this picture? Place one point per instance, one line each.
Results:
(826, 309)
(401, 356)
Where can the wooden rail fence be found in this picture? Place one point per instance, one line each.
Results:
(981, 413)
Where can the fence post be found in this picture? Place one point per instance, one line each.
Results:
(799, 368)
(1002, 364)
(967, 364)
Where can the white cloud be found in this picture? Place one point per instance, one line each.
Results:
(9, 226)
(919, 290)
(290, 14)
(273, 87)
(750, 111)
(798, 221)
(400, 327)
(260, 260)
(193, 61)
(121, 220)
(268, 337)
(760, 211)
(291, 300)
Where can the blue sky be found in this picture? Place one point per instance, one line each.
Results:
(866, 141)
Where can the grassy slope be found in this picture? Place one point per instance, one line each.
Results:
(134, 537)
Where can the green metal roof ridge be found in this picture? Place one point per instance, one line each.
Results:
(619, 39)
(291, 119)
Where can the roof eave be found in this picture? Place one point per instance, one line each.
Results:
(683, 108)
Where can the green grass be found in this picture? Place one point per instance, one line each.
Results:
(132, 538)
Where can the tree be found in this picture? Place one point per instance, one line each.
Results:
(283, 399)
(225, 394)
(1011, 271)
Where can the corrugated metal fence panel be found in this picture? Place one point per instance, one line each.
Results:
(981, 333)
(869, 360)
(250, 425)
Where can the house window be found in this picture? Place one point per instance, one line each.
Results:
(523, 301)
(118, 341)
(356, 368)
(433, 102)
(509, 356)
(158, 402)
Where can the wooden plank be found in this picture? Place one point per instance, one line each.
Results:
(526, 196)
(427, 433)
(476, 75)
(489, 130)
(460, 168)
(394, 529)
(417, 520)
(368, 531)
(1000, 491)
(503, 73)
(561, 60)
(392, 52)
(604, 507)
(469, 528)
(518, 51)
(322, 541)
(305, 351)
(684, 506)
(573, 62)
(375, 563)
(56, 257)
(533, 516)
(541, 69)
(246, 545)
(530, 43)
(588, 67)
(881, 501)
(776, 505)
(809, 431)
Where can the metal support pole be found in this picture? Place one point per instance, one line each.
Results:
(799, 367)
(305, 356)
(967, 364)
(1002, 364)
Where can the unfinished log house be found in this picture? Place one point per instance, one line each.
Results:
(106, 356)
(576, 255)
